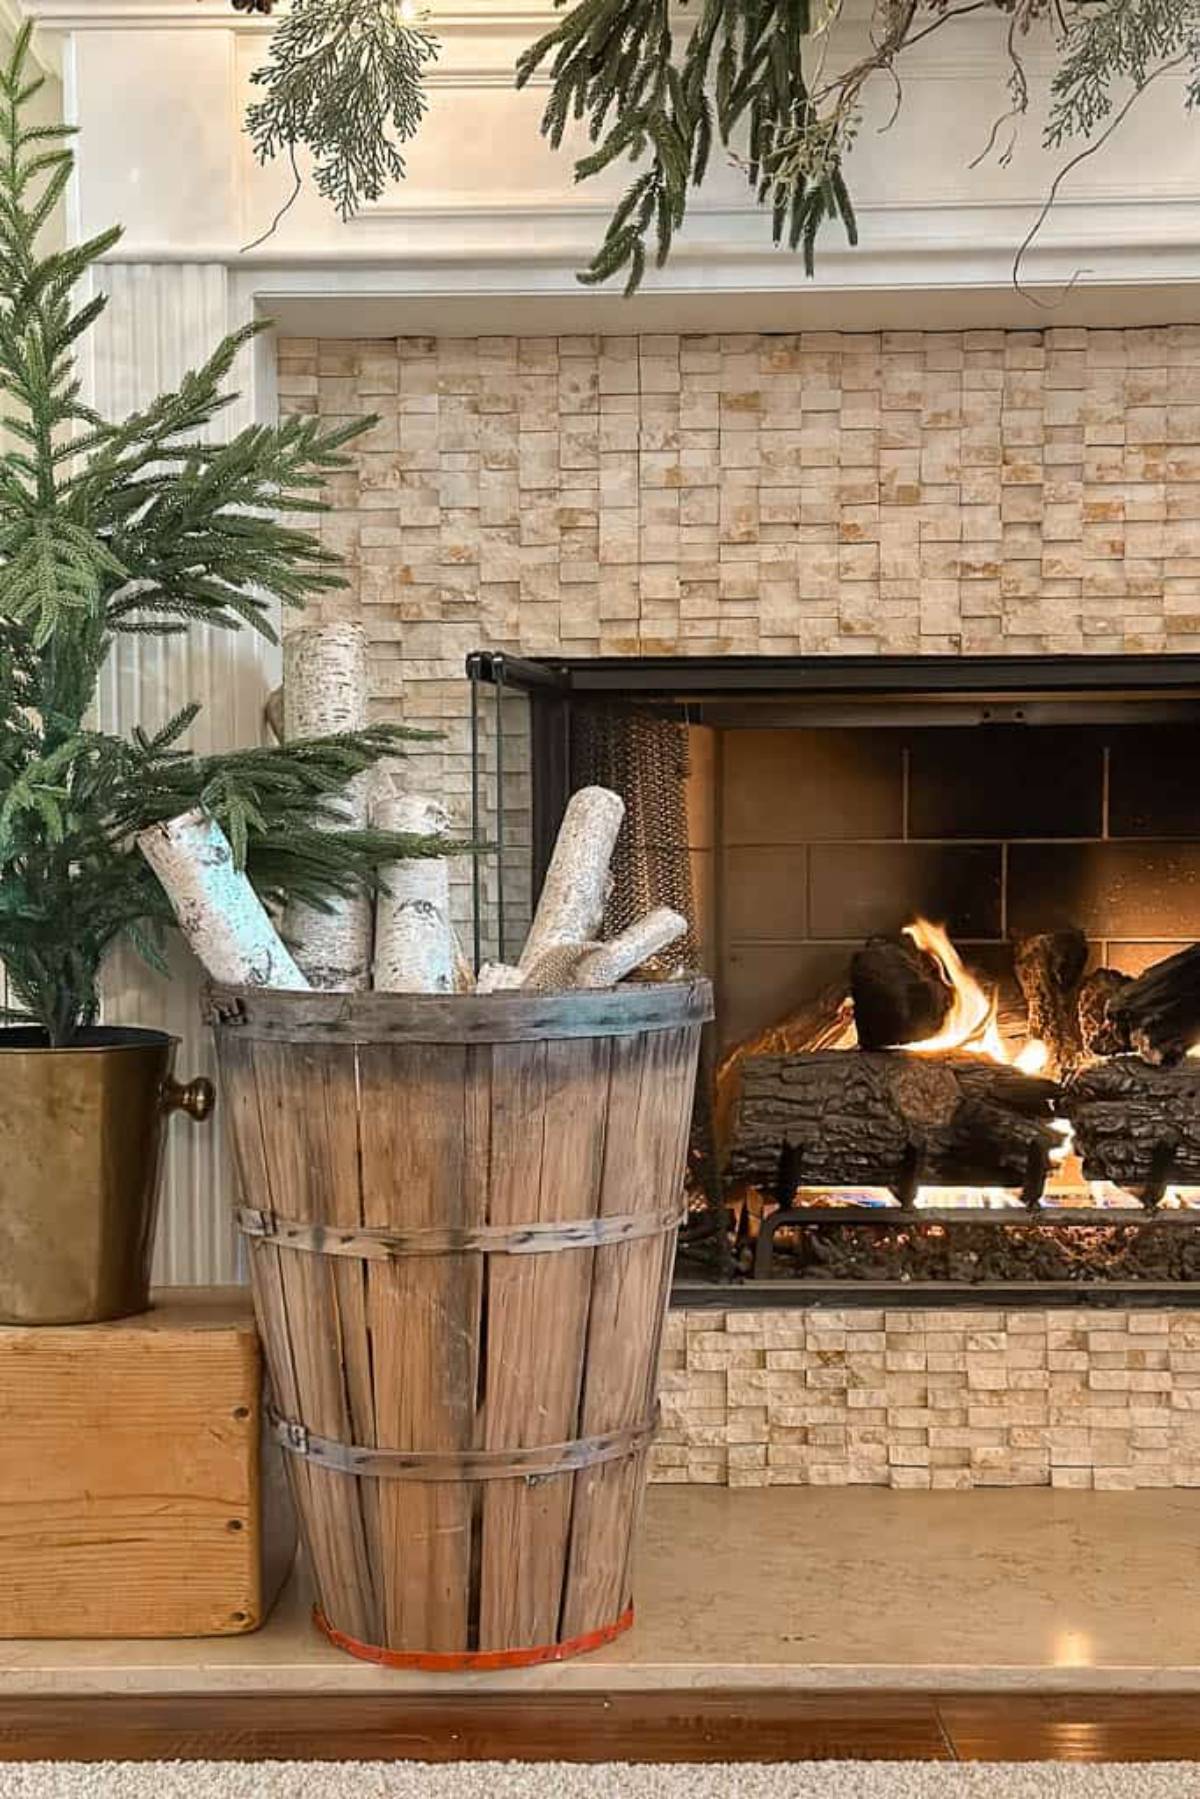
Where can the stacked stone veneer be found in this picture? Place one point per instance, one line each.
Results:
(931, 1399)
(811, 493)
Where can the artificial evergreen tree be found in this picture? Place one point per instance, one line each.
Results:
(142, 525)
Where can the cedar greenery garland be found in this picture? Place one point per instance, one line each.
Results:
(345, 80)
(661, 84)
(761, 78)
(143, 525)
(615, 64)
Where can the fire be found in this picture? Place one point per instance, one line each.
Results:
(1033, 1058)
(971, 1027)
(970, 1024)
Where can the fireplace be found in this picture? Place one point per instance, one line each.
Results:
(990, 854)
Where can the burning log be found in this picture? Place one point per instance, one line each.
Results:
(1102, 1035)
(1159, 1012)
(825, 1023)
(895, 1120)
(899, 991)
(1137, 1125)
(1049, 968)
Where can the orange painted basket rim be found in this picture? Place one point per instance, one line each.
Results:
(474, 1661)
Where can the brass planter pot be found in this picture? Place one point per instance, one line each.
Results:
(81, 1137)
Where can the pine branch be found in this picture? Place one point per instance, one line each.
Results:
(344, 80)
(1117, 42)
(138, 524)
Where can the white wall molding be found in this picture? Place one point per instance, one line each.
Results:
(158, 323)
(218, 15)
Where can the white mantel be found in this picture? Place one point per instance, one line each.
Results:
(491, 222)
(486, 237)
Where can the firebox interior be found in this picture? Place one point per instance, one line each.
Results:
(833, 801)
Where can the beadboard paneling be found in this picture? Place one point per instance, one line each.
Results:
(160, 321)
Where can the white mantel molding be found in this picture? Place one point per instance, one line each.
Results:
(159, 87)
(218, 15)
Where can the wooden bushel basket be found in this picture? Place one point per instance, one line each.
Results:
(461, 1217)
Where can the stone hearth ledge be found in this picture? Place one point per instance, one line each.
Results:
(812, 1589)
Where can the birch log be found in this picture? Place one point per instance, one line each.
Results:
(610, 962)
(219, 913)
(498, 977)
(325, 693)
(555, 969)
(416, 950)
(576, 886)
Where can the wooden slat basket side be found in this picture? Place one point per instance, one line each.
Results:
(465, 1351)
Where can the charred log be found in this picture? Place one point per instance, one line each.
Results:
(899, 992)
(1160, 1010)
(1049, 968)
(1137, 1125)
(893, 1120)
(1101, 1034)
(825, 1023)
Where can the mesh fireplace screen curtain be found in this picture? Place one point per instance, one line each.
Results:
(644, 758)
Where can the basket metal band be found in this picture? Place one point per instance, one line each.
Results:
(470, 1464)
(372, 1245)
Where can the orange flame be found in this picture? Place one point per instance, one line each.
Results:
(970, 1024)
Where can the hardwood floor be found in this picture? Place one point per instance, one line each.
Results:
(618, 1726)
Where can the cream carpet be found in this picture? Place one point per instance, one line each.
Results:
(559, 1780)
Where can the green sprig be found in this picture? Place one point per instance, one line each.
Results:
(142, 524)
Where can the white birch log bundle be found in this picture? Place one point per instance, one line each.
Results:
(219, 913)
(610, 962)
(572, 903)
(325, 694)
(416, 950)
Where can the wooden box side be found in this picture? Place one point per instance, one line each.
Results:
(129, 1487)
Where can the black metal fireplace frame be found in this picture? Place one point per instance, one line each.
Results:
(844, 690)
(863, 690)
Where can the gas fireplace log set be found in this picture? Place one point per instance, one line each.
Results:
(1136, 1125)
(894, 1119)
(916, 1105)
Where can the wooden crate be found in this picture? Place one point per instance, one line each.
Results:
(131, 1490)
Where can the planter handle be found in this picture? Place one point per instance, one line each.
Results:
(197, 1098)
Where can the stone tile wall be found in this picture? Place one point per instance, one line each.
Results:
(931, 1399)
(903, 492)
